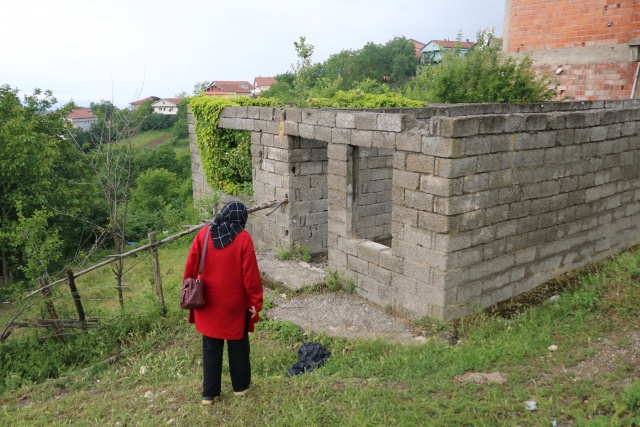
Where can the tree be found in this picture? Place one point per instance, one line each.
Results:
(482, 75)
(41, 184)
(201, 86)
(393, 64)
(181, 128)
(282, 90)
(302, 71)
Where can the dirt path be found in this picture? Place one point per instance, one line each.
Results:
(155, 143)
(335, 314)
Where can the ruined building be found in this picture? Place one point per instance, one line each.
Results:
(443, 210)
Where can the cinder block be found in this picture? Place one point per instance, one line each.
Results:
(404, 283)
(366, 121)
(409, 180)
(380, 274)
(341, 136)
(433, 222)
(475, 183)
(420, 163)
(306, 130)
(390, 123)
(418, 200)
(291, 128)
(369, 251)
(361, 138)
(357, 265)
(468, 221)
(492, 124)
(310, 116)
(389, 261)
(477, 145)
(323, 133)
(345, 120)
(291, 114)
(448, 279)
(465, 126)
(418, 271)
(405, 215)
(326, 118)
(386, 140)
(489, 162)
(453, 168)
(439, 146)
(409, 140)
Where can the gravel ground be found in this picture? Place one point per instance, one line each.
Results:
(349, 316)
(342, 315)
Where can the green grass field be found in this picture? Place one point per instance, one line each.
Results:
(155, 378)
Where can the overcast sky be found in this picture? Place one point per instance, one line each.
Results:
(124, 50)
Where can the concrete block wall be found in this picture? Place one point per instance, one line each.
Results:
(487, 201)
(373, 194)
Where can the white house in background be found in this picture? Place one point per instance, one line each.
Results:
(432, 52)
(167, 106)
(82, 118)
(260, 84)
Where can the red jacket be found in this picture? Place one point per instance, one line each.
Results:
(232, 285)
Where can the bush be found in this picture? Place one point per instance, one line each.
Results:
(482, 75)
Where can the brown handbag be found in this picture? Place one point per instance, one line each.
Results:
(192, 291)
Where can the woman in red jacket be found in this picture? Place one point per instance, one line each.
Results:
(233, 295)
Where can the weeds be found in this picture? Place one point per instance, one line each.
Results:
(631, 397)
(335, 283)
(298, 253)
(365, 382)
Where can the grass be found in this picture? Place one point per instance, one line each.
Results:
(364, 382)
(140, 140)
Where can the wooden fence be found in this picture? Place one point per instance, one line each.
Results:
(43, 292)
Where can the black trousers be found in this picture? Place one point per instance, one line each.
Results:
(239, 363)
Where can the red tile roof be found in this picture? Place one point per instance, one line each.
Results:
(264, 81)
(220, 86)
(172, 100)
(142, 101)
(81, 113)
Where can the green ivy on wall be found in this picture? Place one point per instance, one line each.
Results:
(225, 153)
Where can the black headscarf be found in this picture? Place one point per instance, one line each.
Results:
(229, 224)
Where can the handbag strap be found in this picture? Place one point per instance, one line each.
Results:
(204, 251)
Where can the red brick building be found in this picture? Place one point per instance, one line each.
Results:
(592, 45)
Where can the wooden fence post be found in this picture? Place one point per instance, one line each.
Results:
(157, 278)
(76, 298)
(46, 294)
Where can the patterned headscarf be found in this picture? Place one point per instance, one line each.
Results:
(229, 224)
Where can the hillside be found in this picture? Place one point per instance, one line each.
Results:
(500, 361)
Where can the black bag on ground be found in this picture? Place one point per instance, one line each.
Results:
(311, 355)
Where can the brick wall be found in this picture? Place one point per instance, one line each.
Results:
(594, 41)
(487, 201)
(555, 24)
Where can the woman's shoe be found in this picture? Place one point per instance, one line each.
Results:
(209, 400)
(241, 393)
